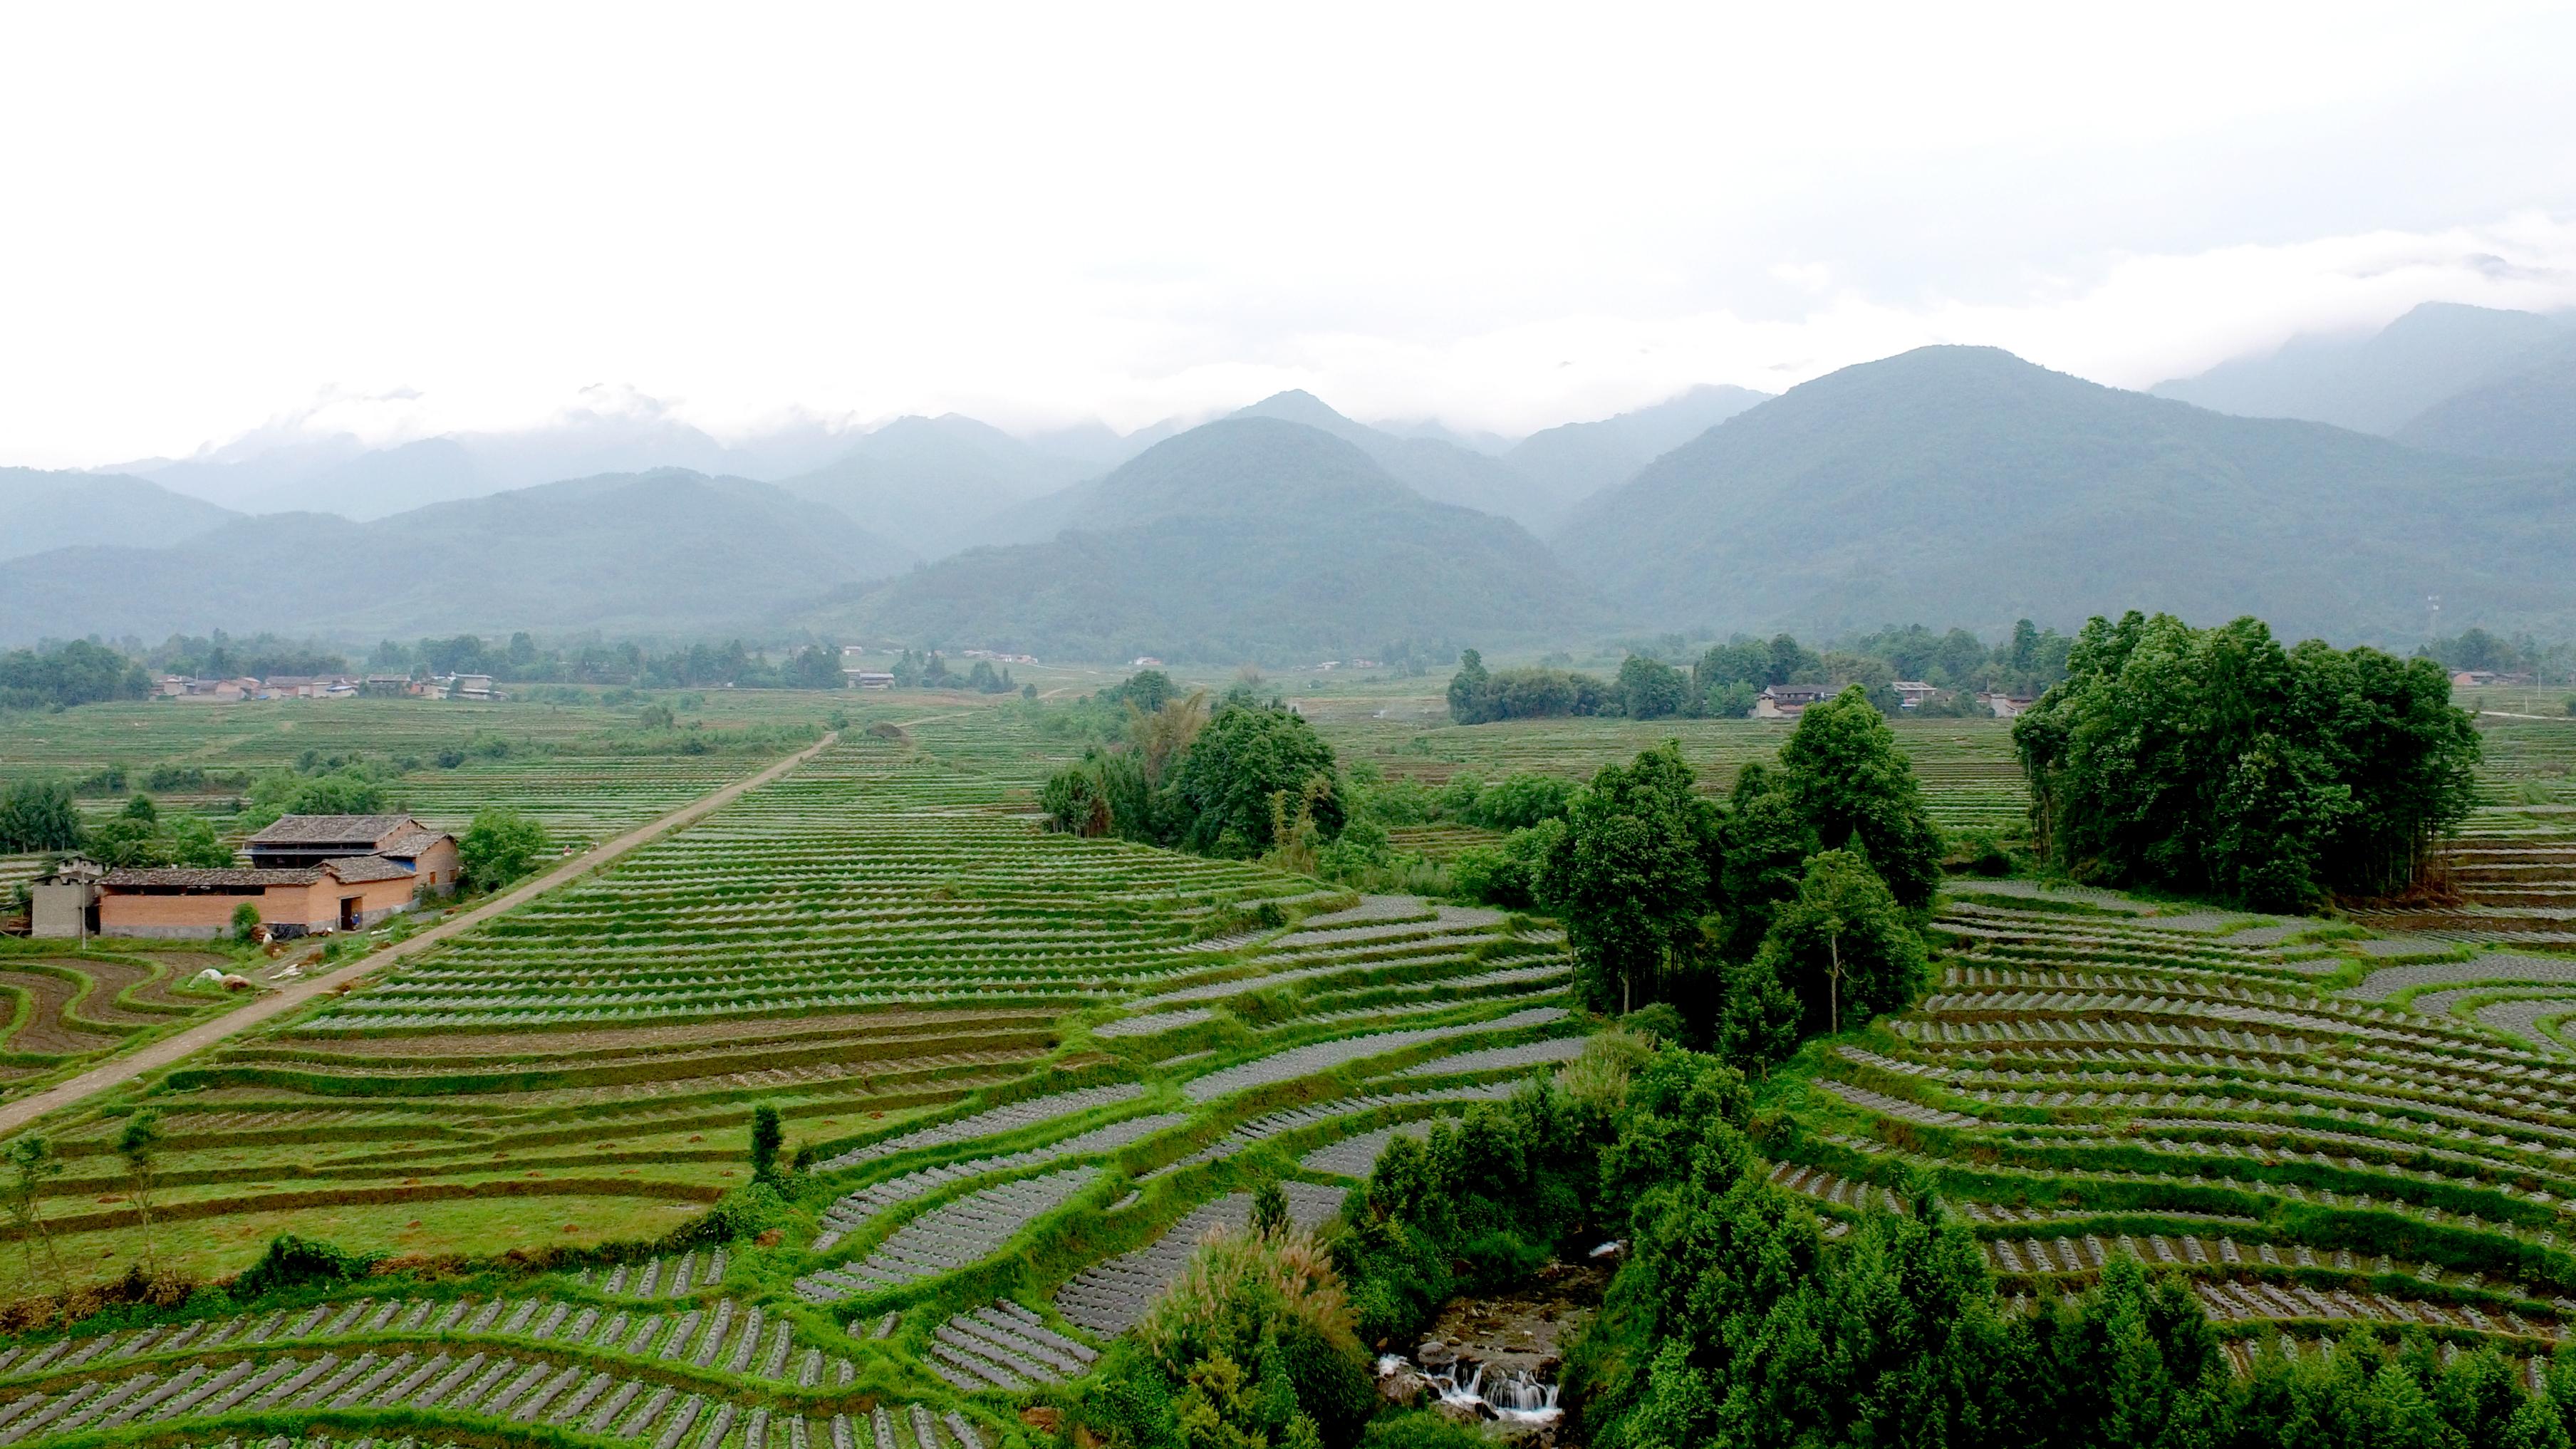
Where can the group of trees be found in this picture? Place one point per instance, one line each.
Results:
(1791, 908)
(39, 815)
(930, 671)
(2476, 649)
(2213, 761)
(142, 835)
(221, 656)
(815, 665)
(60, 676)
(1238, 779)
(42, 815)
(1733, 1320)
(1477, 696)
(83, 672)
(1726, 679)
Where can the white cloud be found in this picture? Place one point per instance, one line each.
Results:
(453, 218)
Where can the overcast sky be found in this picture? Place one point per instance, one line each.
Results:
(401, 220)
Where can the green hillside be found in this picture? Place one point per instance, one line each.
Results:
(1248, 538)
(669, 550)
(1964, 484)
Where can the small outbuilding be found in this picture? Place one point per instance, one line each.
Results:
(64, 901)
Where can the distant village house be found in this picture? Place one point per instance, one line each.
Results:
(1788, 701)
(307, 874)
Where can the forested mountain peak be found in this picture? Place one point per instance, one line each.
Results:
(1245, 538)
(1965, 483)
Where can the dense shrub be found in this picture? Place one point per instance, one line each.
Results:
(501, 845)
(1507, 875)
(1252, 1347)
(293, 1262)
(1519, 800)
(1477, 1204)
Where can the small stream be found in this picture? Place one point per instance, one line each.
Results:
(1513, 1396)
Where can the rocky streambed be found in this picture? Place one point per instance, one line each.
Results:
(1495, 1359)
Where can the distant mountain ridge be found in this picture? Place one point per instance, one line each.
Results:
(931, 483)
(1248, 538)
(1440, 470)
(2378, 383)
(663, 552)
(46, 510)
(1577, 460)
(1964, 484)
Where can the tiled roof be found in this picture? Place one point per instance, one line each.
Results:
(330, 829)
(187, 875)
(352, 869)
(410, 846)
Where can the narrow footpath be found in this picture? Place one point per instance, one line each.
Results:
(197, 1038)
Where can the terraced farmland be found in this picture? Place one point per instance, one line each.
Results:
(2246, 1102)
(2512, 873)
(1006, 1060)
(1970, 774)
(63, 1008)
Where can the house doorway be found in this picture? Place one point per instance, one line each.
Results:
(349, 913)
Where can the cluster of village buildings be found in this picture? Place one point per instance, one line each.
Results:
(304, 875)
(324, 686)
(1788, 701)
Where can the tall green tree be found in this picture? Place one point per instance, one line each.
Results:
(1842, 943)
(1630, 875)
(1467, 690)
(32, 1164)
(1852, 785)
(193, 842)
(139, 1144)
(1763, 846)
(767, 1137)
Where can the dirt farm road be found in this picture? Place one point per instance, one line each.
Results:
(170, 1049)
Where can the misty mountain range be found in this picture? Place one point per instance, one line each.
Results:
(2329, 486)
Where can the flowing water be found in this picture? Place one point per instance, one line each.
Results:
(1513, 1396)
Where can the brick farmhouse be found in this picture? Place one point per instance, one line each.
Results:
(307, 874)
